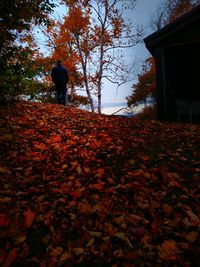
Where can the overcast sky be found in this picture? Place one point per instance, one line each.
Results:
(142, 15)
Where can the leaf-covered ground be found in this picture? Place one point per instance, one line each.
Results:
(79, 189)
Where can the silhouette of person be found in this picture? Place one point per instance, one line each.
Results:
(60, 77)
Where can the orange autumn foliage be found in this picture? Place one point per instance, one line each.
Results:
(168, 250)
(146, 85)
(97, 189)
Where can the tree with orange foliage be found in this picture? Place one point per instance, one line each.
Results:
(94, 33)
(63, 40)
(176, 8)
(146, 86)
(170, 10)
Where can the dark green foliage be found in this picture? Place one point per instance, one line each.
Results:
(16, 58)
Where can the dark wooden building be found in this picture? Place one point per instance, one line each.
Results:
(176, 49)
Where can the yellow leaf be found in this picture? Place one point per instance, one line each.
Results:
(78, 251)
(41, 146)
(96, 208)
(6, 137)
(132, 161)
(73, 216)
(173, 175)
(123, 225)
(90, 242)
(5, 199)
(64, 166)
(167, 209)
(65, 256)
(136, 219)
(94, 198)
(119, 220)
(118, 253)
(20, 239)
(123, 237)
(86, 170)
(5, 170)
(57, 251)
(79, 170)
(192, 236)
(146, 238)
(95, 234)
(147, 175)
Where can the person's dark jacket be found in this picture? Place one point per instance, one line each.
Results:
(60, 75)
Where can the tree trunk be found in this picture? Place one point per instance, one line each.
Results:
(99, 88)
(84, 68)
(87, 89)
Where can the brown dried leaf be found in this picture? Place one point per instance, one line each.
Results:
(90, 242)
(78, 251)
(65, 256)
(193, 217)
(57, 252)
(5, 199)
(192, 236)
(5, 170)
(118, 253)
(84, 208)
(119, 220)
(122, 236)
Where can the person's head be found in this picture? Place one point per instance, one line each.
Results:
(59, 62)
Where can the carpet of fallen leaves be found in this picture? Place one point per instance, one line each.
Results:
(79, 189)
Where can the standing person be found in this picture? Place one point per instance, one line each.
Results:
(60, 77)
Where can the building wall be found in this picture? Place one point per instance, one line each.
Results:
(178, 78)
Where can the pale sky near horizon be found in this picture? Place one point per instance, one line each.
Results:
(143, 13)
